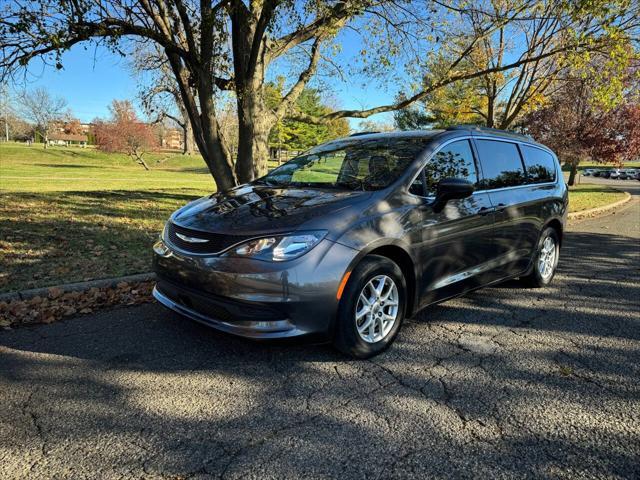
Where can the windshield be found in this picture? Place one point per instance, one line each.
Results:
(349, 164)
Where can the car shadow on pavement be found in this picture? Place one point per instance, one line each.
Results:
(500, 382)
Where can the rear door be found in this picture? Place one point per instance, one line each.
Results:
(517, 211)
(456, 243)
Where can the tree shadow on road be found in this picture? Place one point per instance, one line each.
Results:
(502, 382)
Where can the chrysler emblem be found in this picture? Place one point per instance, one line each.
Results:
(191, 239)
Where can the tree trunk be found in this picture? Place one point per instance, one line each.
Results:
(205, 127)
(574, 170)
(254, 125)
(142, 162)
(216, 157)
(491, 111)
(188, 141)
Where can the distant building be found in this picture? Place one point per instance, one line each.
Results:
(172, 138)
(68, 139)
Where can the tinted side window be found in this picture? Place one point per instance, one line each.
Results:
(453, 160)
(501, 164)
(540, 165)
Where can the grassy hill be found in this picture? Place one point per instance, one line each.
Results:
(73, 214)
(62, 169)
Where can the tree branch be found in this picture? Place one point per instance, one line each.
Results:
(337, 14)
(294, 93)
(299, 116)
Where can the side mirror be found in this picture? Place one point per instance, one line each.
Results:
(451, 189)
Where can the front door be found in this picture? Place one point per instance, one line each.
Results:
(457, 243)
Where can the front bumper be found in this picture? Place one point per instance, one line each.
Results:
(250, 329)
(253, 298)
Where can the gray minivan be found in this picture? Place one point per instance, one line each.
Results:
(346, 240)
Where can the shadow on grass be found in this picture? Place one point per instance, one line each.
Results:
(166, 396)
(68, 165)
(593, 189)
(201, 170)
(60, 237)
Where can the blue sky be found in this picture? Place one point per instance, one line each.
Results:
(90, 80)
(92, 77)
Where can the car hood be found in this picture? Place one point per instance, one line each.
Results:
(257, 209)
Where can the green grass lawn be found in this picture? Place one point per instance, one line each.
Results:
(586, 196)
(72, 214)
(601, 166)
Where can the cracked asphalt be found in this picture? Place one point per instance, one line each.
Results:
(502, 383)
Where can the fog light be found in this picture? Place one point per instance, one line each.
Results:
(161, 249)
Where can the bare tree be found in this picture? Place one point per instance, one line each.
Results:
(160, 95)
(229, 45)
(42, 109)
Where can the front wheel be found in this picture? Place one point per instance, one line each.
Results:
(545, 260)
(371, 309)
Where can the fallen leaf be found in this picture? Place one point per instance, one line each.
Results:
(55, 292)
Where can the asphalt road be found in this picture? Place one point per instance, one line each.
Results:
(502, 383)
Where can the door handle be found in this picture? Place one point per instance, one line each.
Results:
(486, 210)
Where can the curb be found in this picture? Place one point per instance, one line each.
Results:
(77, 287)
(595, 212)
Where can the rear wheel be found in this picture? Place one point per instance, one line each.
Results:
(371, 309)
(545, 260)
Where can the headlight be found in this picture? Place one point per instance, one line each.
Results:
(278, 248)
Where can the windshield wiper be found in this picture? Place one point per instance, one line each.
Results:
(354, 181)
(313, 184)
(269, 183)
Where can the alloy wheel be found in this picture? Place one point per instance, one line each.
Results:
(547, 258)
(377, 309)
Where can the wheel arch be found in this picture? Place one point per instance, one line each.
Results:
(556, 224)
(401, 257)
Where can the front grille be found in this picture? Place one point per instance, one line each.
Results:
(215, 242)
(221, 308)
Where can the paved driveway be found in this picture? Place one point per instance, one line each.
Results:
(502, 383)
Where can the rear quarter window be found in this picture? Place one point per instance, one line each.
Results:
(540, 165)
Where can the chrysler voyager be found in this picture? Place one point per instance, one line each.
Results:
(348, 239)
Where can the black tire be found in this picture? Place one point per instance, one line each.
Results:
(346, 337)
(536, 279)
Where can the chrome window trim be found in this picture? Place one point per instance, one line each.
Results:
(529, 185)
(528, 144)
(498, 139)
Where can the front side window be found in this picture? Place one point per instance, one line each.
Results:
(454, 160)
(353, 164)
(541, 167)
(501, 164)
